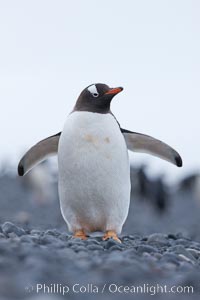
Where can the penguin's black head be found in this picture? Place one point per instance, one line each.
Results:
(96, 98)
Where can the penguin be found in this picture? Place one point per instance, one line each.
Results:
(93, 164)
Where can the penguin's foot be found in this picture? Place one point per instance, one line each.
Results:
(111, 234)
(80, 234)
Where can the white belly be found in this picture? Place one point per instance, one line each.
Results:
(94, 173)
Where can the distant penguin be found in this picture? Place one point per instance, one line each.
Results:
(39, 183)
(93, 163)
(191, 185)
(160, 197)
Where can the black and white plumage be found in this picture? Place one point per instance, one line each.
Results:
(93, 164)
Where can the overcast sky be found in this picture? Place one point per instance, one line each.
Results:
(51, 50)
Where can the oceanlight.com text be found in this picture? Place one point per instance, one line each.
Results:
(112, 288)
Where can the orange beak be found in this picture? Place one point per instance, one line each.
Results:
(114, 91)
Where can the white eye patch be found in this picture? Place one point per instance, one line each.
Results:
(93, 90)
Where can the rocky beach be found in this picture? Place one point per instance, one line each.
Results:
(159, 255)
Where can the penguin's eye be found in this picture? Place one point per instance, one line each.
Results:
(95, 95)
(93, 90)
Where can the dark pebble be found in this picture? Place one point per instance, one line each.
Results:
(172, 236)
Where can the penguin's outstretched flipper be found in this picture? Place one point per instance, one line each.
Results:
(138, 142)
(38, 153)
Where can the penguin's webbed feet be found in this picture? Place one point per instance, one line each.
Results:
(80, 234)
(111, 234)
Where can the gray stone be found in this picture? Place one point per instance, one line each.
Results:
(48, 239)
(182, 242)
(52, 232)
(146, 248)
(76, 241)
(185, 266)
(95, 247)
(109, 243)
(116, 248)
(194, 252)
(157, 255)
(81, 248)
(64, 237)
(179, 249)
(26, 239)
(35, 239)
(9, 227)
(171, 257)
(131, 252)
(129, 237)
(169, 266)
(12, 235)
(2, 236)
(92, 241)
(186, 258)
(35, 232)
(159, 238)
